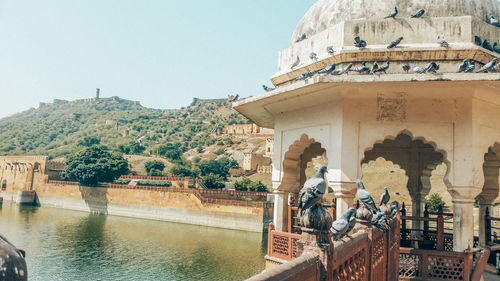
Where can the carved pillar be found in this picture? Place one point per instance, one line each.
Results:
(488, 195)
(344, 194)
(463, 219)
(417, 207)
(280, 210)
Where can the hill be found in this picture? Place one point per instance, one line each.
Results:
(54, 129)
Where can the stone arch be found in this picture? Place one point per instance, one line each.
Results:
(298, 155)
(417, 157)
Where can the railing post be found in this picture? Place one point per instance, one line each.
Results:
(487, 226)
(290, 215)
(269, 239)
(440, 230)
(403, 222)
(426, 222)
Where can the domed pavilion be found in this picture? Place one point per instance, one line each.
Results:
(418, 104)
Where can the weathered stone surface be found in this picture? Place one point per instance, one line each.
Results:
(316, 218)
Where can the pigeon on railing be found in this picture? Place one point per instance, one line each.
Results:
(301, 38)
(488, 67)
(393, 14)
(313, 190)
(344, 225)
(342, 70)
(383, 68)
(359, 43)
(442, 42)
(366, 198)
(385, 197)
(394, 208)
(395, 43)
(380, 221)
(327, 70)
(418, 14)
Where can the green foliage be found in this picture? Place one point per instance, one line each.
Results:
(434, 202)
(94, 164)
(154, 168)
(154, 183)
(213, 181)
(185, 168)
(89, 141)
(122, 181)
(247, 184)
(219, 151)
(57, 129)
(218, 167)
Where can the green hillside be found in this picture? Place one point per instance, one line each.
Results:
(55, 128)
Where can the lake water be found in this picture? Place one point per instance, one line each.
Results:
(69, 245)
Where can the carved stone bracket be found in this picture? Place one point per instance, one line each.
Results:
(464, 194)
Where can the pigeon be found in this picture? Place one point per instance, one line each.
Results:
(395, 43)
(296, 63)
(313, 190)
(487, 45)
(306, 75)
(359, 43)
(383, 68)
(374, 67)
(365, 197)
(231, 98)
(313, 56)
(379, 220)
(362, 69)
(328, 69)
(330, 50)
(431, 67)
(488, 67)
(419, 69)
(393, 14)
(496, 48)
(394, 208)
(385, 197)
(478, 41)
(442, 42)
(494, 21)
(301, 38)
(470, 68)
(418, 14)
(268, 89)
(463, 66)
(406, 67)
(342, 70)
(346, 223)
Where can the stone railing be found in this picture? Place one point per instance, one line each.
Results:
(282, 246)
(134, 177)
(63, 182)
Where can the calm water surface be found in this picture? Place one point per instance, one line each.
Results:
(69, 245)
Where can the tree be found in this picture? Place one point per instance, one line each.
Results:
(136, 148)
(171, 151)
(247, 184)
(154, 167)
(89, 141)
(213, 181)
(94, 164)
(434, 202)
(218, 167)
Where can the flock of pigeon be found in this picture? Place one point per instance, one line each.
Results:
(314, 189)
(467, 66)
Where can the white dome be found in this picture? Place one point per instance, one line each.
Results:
(326, 13)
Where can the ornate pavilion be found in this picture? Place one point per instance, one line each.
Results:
(414, 113)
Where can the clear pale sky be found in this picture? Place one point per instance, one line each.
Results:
(160, 52)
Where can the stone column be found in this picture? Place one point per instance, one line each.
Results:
(344, 194)
(416, 210)
(280, 210)
(463, 218)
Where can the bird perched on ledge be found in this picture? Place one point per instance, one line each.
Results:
(418, 14)
(344, 225)
(393, 14)
(327, 70)
(366, 198)
(342, 70)
(463, 66)
(488, 67)
(301, 38)
(383, 68)
(442, 42)
(385, 197)
(395, 43)
(330, 50)
(296, 63)
(306, 75)
(268, 89)
(313, 190)
(362, 68)
(359, 43)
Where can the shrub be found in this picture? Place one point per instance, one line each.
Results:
(154, 183)
(154, 167)
(122, 181)
(213, 181)
(434, 202)
(247, 184)
(219, 151)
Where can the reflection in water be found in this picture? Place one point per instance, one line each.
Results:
(67, 245)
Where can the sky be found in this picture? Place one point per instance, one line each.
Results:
(159, 52)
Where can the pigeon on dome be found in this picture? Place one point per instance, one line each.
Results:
(393, 14)
(301, 38)
(296, 63)
(494, 21)
(330, 50)
(418, 14)
(442, 42)
(313, 56)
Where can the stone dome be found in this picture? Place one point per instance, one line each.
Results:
(326, 13)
